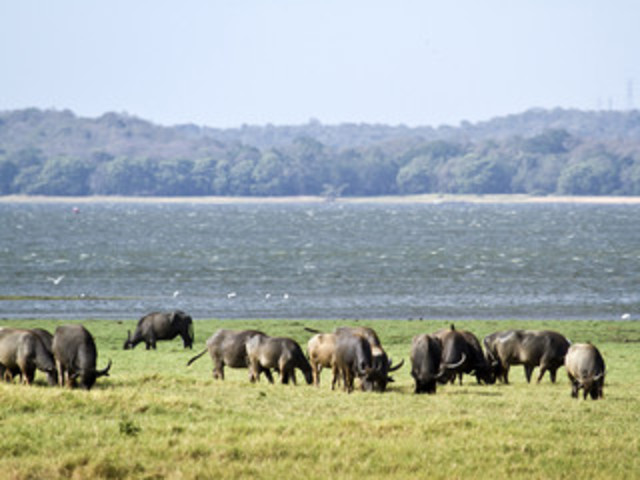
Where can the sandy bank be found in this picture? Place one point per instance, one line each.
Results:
(391, 199)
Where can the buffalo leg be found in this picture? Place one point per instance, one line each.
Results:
(543, 368)
(574, 389)
(60, 373)
(345, 382)
(29, 374)
(552, 374)
(267, 373)
(254, 372)
(315, 372)
(505, 374)
(218, 370)
(348, 379)
(528, 371)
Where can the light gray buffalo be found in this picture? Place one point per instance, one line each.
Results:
(321, 349)
(280, 353)
(586, 370)
(21, 353)
(229, 348)
(531, 348)
(426, 354)
(161, 326)
(76, 355)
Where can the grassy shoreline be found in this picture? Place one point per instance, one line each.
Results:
(156, 418)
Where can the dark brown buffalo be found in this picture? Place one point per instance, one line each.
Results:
(426, 353)
(352, 359)
(45, 336)
(586, 370)
(229, 348)
(21, 353)
(491, 354)
(76, 355)
(282, 354)
(531, 348)
(161, 326)
(462, 353)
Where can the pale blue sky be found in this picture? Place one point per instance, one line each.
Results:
(225, 63)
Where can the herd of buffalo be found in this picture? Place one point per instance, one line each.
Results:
(69, 355)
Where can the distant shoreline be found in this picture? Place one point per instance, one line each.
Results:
(388, 199)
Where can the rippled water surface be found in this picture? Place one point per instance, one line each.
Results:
(320, 260)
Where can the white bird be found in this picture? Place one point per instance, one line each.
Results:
(232, 295)
(176, 293)
(267, 296)
(285, 296)
(626, 316)
(56, 280)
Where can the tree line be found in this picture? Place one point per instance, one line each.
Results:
(537, 152)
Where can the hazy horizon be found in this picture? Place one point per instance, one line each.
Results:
(225, 64)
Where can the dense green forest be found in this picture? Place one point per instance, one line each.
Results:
(540, 152)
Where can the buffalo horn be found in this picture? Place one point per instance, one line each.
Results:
(104, 371)
(453, 366)
(393, 368)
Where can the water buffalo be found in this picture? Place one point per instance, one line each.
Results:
(531, 348)
(280, 353)
(229, 347)
(161, 326)
(426, 353)
(379, 377)
(321, 349)
(462, 353)
(45, 336)
(491, 354)
(76, 355)
(586, 370)
(21, 353)
(352, 359)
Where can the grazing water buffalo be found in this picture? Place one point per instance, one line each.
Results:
(45, 336)
(426, 353)
(379, 377)
(352, 359)
(229, 347)
(491, 354)
(76, 355)
(586, 370)
(531, 348)
(282, 354)
(21, 353)
(462, 353)
(161, 326)
(321, 349)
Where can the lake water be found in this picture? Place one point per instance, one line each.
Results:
(330, 260)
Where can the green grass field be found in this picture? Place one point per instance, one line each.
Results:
(156, 418)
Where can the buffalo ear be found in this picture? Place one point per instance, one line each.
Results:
(390, 379)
